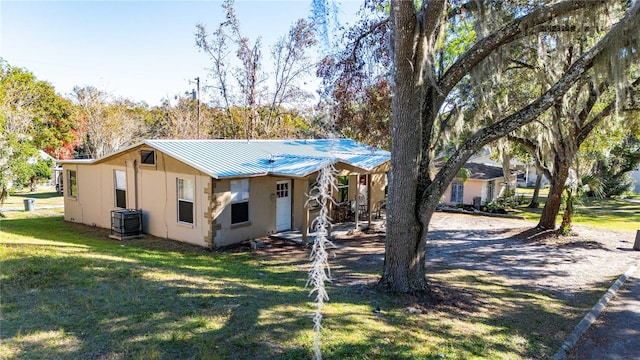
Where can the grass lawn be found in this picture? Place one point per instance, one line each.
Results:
(634, 196)
(605, 213)
(70, 292)
(43, 197)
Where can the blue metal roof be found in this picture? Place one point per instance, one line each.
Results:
(295, 158)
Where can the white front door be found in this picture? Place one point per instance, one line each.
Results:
(283, 205)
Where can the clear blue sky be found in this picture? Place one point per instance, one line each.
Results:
(141, 50)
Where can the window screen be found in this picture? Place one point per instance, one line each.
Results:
(343, 189)
(239, 201)
(457, 192)
(121, 188)
(73, 183)
(185, 200)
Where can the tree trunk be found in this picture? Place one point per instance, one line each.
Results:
(404, 265)
(552, 205)
(534, 204)
(565, 227)
(3, 194)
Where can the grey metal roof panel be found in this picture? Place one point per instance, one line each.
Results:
(297, 166)
(214, 157)
(297, 158)
(365, 161)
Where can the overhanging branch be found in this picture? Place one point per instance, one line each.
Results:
(481, 49)
(529, 113)
(372, 29)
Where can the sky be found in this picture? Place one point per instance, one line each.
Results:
(140, 50)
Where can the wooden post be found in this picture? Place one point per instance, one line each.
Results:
(330, 229)
(369, 207)
(636, 245)
(305, 225)
(357, 214)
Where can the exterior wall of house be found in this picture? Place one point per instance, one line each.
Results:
(262, 211)
(150, 188)
(300, 215)
(636, 181)
(262, 206)
(478, 188)
(529, 175)
(472, 188)
(153, 189)
(378, 195)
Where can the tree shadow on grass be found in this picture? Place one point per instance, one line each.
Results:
(159, 299)
(152, 299)
(37, 195)
(483, 319)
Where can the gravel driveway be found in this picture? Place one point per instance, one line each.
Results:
(561, 266)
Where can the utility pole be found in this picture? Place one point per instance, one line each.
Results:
(197, 79)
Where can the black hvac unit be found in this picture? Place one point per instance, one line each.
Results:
(126, 224)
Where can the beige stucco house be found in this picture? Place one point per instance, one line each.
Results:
(486, 183)
(216, 193)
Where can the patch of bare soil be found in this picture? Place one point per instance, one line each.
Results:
(561, 266)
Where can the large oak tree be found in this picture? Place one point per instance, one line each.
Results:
(422, 89)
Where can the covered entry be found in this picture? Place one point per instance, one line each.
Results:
(283, 205)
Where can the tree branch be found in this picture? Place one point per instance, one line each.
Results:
(372, 29)
(529, 113)
(534, 150)
(587, 128)
(466, 7)
(487, 45)
(521, 64)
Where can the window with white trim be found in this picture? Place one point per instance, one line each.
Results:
(72, 177)
(120, 177)
(185, 200)
(343, 189)
(491, 190)
(239, 201)
(457, 192)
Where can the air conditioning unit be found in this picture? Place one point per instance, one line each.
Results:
(126, 224)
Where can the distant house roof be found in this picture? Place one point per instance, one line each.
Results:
(483, 171)
(240, 158)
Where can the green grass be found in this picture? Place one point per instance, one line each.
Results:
(612, 214)
(634, 196)
(70, 292)
(44, 197)
(529, 191)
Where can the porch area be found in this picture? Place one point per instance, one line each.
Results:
(346, 227)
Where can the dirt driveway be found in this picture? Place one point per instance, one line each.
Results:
(558, 266)
(561, 266)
